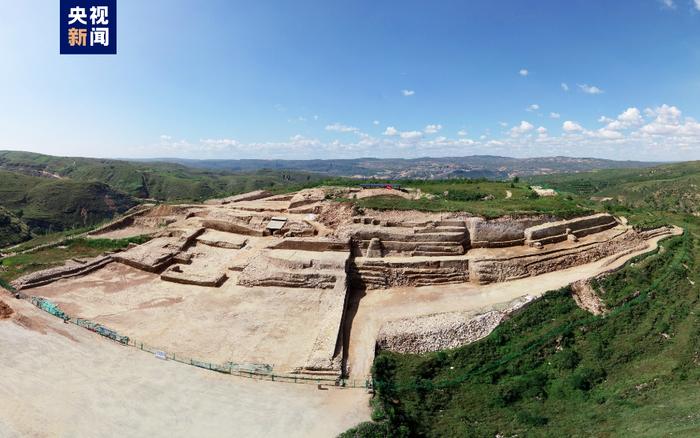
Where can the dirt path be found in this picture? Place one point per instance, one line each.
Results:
(370, 309)
(61, 380)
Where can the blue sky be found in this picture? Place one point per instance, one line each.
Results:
(330, 79)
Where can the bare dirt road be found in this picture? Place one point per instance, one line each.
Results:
(368, 310)
(60, 380)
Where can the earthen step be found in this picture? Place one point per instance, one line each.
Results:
(433, 275)
(440, 230)
(428, 283)
(439, 245)
(372, 268)
(271, 282)
(439, 271)
(432, 253)
(373, 277)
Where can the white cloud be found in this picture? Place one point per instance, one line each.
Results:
(411, 135)
(533, 107)
(391, 131)
(630, 115)
(564, 86)
(523, 72)
(697, 4)
(503, 124)
(607, 134)
(590, 89)
(627, 119)
(432, 129)
(204, 146)
(670, 4)
(408, 92)
(339, 127)
(375, 122)
(668, 122)
(554, 115)
(219, 141)
(657, 133)
(523, 128)
(299, 141)
(315, 117)
(570, 126)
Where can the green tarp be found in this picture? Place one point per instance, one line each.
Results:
(49, 307)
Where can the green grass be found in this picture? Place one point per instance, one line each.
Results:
(478, 197)
(47, 238)
(15, 266)
(558, 207)
(47, 205)
(12, 229)
(556, 370)
(672, 187)
(160, 181)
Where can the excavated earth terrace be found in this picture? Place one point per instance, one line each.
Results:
(302, 284)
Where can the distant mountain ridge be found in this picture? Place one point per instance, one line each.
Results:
(165, 181)
(41, 193)
(474, 166)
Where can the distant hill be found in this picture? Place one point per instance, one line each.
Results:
(475, 166)
(43, 204)
(42, 193)
(157, 180)
(671, 187)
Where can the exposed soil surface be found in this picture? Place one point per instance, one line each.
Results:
(122, 233)
(71, 382)
(5, 310)
(268, 325)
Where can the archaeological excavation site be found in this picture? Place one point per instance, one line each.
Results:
(307, 284)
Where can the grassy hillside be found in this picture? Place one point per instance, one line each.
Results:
(556, 370)
(672, 187)
(161, 181)
(45, 204)
(12, 229)
(477, 196)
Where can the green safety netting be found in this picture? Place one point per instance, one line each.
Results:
(246, 367)
(52, 308)
(49, 307)
(102, 330)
